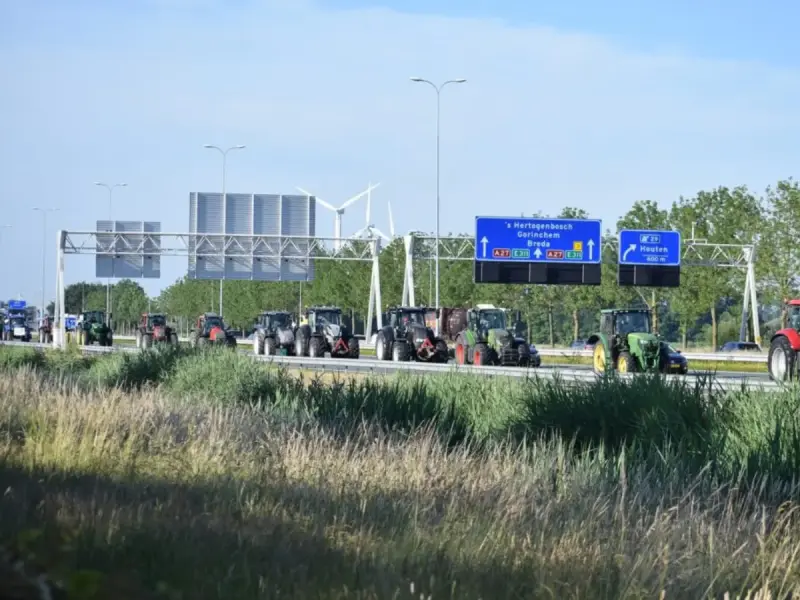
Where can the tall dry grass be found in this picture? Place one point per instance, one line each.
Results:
(148, 494)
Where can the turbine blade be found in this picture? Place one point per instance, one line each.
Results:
(320, 200)
(391, 220)
(374, 230)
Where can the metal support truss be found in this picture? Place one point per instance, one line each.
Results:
(695, 253)
(300, 249)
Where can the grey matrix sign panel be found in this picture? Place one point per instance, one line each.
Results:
(134, 254)
(251, 256)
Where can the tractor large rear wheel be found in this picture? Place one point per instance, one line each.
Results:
(381, 348)
(442, 351)
(781, 360)
(481, 355)
(599, 358)
(316, 347)
(461, 353)
(301, 345)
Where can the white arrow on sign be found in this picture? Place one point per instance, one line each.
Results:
(590, 244)
(537, 253)
(627, 251)
(484, 241)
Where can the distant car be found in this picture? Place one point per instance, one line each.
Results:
(739, 347)
(677, 361)
(581, 345)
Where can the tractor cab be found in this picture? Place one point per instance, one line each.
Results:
(793, 313)
(486, 317)
(618, 323)
(153, 320)
(17, 321)
(403, 317)
(318, 318)
(272, 321)
(208, 321)
(93, 317)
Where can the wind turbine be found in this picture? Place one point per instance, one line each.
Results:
(369, 230)
(337, 227)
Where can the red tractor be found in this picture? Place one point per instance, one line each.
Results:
(784, 346)
(211, 328)
(152, 329)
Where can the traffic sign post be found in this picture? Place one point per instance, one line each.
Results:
(538, 240)
(643, 247)
(649, 258)
(537, 250)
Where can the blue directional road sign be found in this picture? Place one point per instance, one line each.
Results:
(654, 248)
(552, 241)
(17, 304)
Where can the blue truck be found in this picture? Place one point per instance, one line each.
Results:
(15, 323)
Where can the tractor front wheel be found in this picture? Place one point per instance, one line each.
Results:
(270, 347)
(781, 360)
(355, 348)
(626, 363)
(400, 351)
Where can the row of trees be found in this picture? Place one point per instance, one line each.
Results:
(705, 310)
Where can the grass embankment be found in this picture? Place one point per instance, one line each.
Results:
(220, 477)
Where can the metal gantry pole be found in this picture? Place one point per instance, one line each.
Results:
(44, 212)
(438, 90)
(224, 210)
(110, 189)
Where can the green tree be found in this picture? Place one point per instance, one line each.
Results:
(726, 216)
(778, 253)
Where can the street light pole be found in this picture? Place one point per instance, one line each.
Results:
(438, 89)
(110, 189)
(44, 212)
(224, 209)
(2, 227)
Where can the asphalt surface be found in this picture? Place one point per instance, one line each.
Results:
(574, 367)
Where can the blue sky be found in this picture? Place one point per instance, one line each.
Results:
(585, 104)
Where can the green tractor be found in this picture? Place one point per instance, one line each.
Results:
(626, 343)
(487, 340)
(94, 327)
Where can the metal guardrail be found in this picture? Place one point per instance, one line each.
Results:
(721, 357)
(750, 357)
(243, 341)
(375, 367)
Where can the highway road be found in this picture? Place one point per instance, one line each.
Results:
(246, 348)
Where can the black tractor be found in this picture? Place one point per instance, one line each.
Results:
(274, 334)
(407, 337)
(321, 330)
